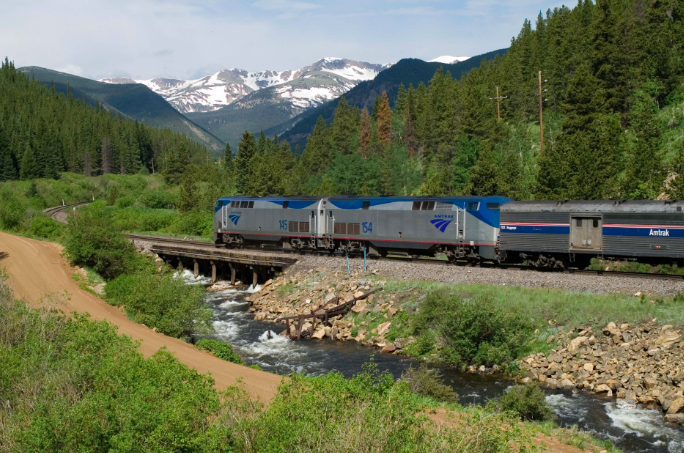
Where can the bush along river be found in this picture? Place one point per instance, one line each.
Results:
(631, 428)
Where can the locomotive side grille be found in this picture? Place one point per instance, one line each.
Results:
(340, 228)
(303, 227)
(443, 206)
(292, 227)
(353, 228)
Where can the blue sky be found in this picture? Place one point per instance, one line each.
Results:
(188, 39)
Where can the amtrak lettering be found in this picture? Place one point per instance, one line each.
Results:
(659, 233)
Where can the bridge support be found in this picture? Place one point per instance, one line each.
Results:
(255, 277)
(180, 265)
(213, 271)
(196, 268)
(232, 275)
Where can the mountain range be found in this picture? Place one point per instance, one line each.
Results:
(306, 87)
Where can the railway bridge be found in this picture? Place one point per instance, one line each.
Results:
(248, 266)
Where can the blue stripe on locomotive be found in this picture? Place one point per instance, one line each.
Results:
(292, 204)
(536, 229)
(488, 216)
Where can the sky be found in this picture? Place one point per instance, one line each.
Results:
(188, 39)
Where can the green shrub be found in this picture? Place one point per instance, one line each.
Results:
(144, 219)
(162, 301)
(527, 401)
(46, 228)
(425, 382)
(472, 331)
(194, 224)
(93, 240)
(12, 211)
(159, 199)
(94, 391)
(125, 202)
(220, 349)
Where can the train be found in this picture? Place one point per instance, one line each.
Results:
(471, 229)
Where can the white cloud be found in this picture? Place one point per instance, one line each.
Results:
(285, 5)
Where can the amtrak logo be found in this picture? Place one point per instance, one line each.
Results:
(441, 224)
(234, 218)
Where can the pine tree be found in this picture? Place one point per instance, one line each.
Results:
(365, 134)
(485, 179)
(401, 104)
(676, 185)
(187, 201)
(87, 166)
(29, 168)
(384, 120)
(344, 127)
(246, 150)
(644, 172)
(376, 108)
(227, 158)
(107, 160)
(409, 132)
(262, 144)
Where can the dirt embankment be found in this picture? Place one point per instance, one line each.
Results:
(37, 268)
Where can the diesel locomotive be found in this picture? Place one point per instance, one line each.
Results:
(462, 228)
(546, 234)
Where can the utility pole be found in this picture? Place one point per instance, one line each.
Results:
(541, 117)
(498, 102)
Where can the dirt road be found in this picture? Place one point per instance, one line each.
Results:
(37, 268)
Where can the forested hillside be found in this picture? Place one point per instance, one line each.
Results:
(407, 71)
(613, 118)
(44, 133)
(134, 100)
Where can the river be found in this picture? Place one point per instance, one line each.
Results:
(633, 429)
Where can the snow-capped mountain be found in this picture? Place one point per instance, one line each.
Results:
(310, 86)
(448, 59)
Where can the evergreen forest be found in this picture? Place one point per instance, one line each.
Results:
(613, 120)
(44, 133)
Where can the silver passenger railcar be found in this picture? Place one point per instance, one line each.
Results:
(562, 233)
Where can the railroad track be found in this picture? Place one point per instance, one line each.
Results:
(54, 212)
(170, 240)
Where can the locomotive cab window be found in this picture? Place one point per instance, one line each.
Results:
(493, 206)
(428, 206)
(473, 206)
(285, 204)
(243, 204)
(220, 204)
(366, 205)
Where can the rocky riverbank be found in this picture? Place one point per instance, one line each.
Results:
(641, 363)
(369, 322)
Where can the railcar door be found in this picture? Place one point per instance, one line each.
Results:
(586, 232)
(460, 224)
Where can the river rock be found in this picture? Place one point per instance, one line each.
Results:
(384, 328)
(676, 406)
(603, 388)
(575, 343)
(389, 347)
(675, 418)
(319, 334)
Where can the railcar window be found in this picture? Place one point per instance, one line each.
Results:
(493, 206)
(595, 223)
(251, 205)
(366, 205)
(243, 204)
(578, 223)
(428, 206)
(292, 227)
(431, 205)
(416, 206)
(303, 227)
(285, 204)
(679, 209)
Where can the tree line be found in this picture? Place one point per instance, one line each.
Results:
(44, 133)
(613, 123)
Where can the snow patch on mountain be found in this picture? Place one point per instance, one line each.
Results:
(322, 81)
(448, 59)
